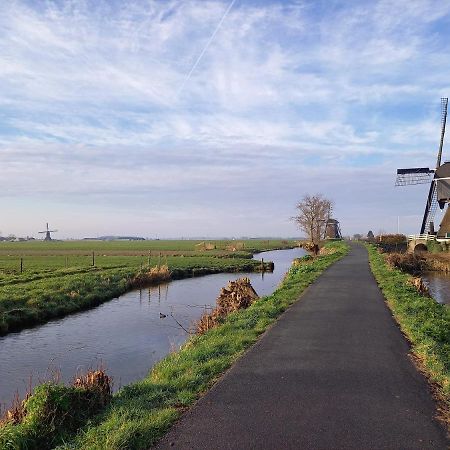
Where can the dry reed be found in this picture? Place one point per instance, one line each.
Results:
(237, 295)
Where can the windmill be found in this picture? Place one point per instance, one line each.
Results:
(47, 232)
(439, 193)
(332, 229)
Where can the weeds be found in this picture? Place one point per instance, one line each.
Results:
(54, 411)
(407, 262)
(237, 295)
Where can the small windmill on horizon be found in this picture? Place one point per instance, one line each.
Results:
(48, 236)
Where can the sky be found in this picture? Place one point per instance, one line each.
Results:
(178, 118)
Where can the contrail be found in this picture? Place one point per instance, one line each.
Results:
(188, 76)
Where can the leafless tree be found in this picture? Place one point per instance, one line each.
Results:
(313, 213)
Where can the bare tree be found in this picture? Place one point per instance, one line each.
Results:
(313, 213)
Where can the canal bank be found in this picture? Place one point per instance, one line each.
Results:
(333, 372)
(126, 335)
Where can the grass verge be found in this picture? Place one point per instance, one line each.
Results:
(425, 323)
(139, 414)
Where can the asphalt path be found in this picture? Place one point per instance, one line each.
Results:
(332, 373)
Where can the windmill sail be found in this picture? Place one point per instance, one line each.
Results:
(414, 175)
(444, 105)
(430, 209)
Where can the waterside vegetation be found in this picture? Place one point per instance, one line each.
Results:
(139, 414)
(41, 293)
(425, 322)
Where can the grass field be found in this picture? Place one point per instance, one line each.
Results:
(39, 255)
(59, 278)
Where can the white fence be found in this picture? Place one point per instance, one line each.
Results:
(421, 237)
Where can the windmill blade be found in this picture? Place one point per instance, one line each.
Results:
(414, 175)
(444, 105)
(430, 209)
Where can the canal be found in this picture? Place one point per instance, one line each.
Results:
(126, 335)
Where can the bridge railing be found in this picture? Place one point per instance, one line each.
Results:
(421, 237)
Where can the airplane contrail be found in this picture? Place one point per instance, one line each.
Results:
(188, 76)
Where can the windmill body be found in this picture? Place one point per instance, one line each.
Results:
(332, 229)
(439, 192)
(47, 232)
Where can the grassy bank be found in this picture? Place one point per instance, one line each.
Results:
(58, 278)
(425, 322)
(33, 298)
(140, 413)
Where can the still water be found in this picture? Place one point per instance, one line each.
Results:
(438, 284)
(126, 335)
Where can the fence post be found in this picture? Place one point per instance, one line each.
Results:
(21, 265)
(93, 259)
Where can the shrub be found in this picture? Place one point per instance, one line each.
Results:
(407, 262)
(391, 239)
(54, 411)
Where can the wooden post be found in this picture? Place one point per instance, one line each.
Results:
(148, 259)
(159, 265)
(67, 262)
(21, 265)
(262, 264)
(93, 259)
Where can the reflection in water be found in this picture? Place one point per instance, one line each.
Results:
(127, 334)
(438, 284)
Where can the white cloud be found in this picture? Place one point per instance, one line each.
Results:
(90, 98)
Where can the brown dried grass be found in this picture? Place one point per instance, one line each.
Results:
(97, 387)
(235, 246)
(96, 381)
(391, 239)
(407, 262)
(16, 413)
(237, 295)
(153, 275)
(203, 246)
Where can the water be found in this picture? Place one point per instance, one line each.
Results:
(127, 335)
(438, 284)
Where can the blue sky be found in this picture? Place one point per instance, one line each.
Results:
(145, 117)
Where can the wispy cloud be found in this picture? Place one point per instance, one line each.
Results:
(118, 100)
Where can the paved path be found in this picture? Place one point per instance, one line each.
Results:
(333, 373)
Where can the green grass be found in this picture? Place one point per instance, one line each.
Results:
(59, 278)
(425, 322)
(141, 413)
(44, 256)
(37, 297)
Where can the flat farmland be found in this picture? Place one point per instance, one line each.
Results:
(36, 256)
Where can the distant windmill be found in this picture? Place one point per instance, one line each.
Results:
(332, 229)
(47, 232)
(439, 193)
